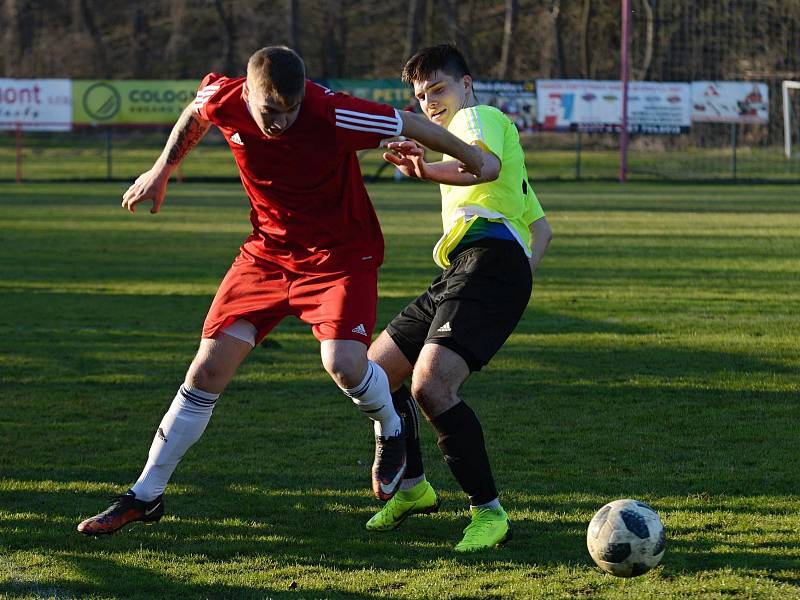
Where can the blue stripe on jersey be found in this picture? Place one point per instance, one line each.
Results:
(483, 228)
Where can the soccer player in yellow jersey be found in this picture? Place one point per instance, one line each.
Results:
(495, 235)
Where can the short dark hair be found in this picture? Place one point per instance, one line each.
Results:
(444, 57)
(277, 71)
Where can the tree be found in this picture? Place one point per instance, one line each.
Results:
(18, 40)
(509, 29)
(228, 38)
(293, 24)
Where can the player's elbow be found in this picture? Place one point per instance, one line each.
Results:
(542, 232)
(413, 125)
(491, 167)
(490, 172)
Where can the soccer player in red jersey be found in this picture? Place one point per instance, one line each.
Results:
(314, 252)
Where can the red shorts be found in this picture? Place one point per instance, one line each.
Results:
(338, 306)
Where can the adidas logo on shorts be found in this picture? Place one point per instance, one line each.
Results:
(236, 139)
(359, 329)
(445, 328)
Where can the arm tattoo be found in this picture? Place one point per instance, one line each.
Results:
(185, 135)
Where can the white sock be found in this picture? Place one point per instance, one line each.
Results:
(493, 504)
(181, 427)
(374, 399)
(407, 484)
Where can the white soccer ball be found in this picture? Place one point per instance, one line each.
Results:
(626, 538)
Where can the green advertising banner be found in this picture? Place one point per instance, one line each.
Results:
(121, 102)
(386, 91)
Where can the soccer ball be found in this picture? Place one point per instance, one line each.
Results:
(626, 538)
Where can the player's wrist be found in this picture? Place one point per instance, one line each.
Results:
(162, 168)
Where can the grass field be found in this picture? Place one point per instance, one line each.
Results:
(658, 359)
(84, 153)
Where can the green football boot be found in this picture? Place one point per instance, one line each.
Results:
(420, 499)
(489, 528)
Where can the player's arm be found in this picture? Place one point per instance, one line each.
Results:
(152, 185)
(409, 157)
(439, 139)
(542, 234)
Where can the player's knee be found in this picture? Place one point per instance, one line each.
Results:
(432, 397)
(205, 376)
(346, 369)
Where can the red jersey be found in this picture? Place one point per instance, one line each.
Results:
(309, 208)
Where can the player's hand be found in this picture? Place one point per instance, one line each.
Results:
(151, 185)
(408, 156)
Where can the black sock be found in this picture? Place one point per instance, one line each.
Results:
(460, 438)
(406, 407)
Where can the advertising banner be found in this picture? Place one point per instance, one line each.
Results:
(36, 104)
(730, 102)
(386, 91)
(517, 99)
(147, 102)
(585, 105)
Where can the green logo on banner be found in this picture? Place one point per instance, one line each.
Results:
(101, 101)
(131, 101)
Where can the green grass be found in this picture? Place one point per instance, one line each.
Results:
(82, 154)
(658, 359)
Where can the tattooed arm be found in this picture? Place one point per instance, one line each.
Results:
(152, 185)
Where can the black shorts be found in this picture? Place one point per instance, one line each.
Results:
(472, 307)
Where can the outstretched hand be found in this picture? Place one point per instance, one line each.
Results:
(151, 185)
(408, 157)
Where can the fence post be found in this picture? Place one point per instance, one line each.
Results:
(109, 145)
(18, 148)
(733, 149)
(624, 76)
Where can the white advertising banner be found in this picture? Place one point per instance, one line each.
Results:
(730, 102)
(516, 99)
(586, 105)
(36, 104)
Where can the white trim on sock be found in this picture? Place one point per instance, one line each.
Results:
(181, 427)
(493, 504)
(374, 399)
(407, 484)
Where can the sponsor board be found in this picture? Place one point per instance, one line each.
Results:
(131, 101)
(585, 105)
(385, 91)
(730, 102)
(35, 104)
(517, 99)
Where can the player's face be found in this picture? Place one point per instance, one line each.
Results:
(272, 114)
(441, 96)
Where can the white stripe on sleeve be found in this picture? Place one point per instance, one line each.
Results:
(359, 121)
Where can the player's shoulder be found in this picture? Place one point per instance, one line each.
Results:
(479, 118)
(216, 90)
(218, 85)
(492, 114)
(317, 94)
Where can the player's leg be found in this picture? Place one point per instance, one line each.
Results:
(362, 380)
(479, 303)
(438, 375)
(342, 311)
(385, 352)
(367, 385)
(230, 331)
(185, 421)
(416, 495)
(214, 365)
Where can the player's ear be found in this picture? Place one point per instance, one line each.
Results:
(245, 91)
(467, 83)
